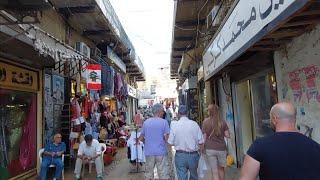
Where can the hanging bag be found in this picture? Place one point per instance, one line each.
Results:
(202, 167)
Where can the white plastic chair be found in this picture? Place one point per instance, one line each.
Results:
(51, 166)
(104, 148)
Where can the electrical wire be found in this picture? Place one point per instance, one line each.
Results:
(199, 21)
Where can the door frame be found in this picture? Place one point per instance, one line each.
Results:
(238, 127)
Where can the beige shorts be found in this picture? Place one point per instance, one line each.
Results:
(216, 158)
(162, 164)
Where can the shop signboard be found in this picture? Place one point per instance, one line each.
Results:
(93, 76)
(132, 91)
(249, 21)
(116, 60)
(18, 77)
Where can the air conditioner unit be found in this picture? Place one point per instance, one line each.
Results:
(95, 53)
(212, 15)
(83, 49)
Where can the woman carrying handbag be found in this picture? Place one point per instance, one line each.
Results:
(215, 130)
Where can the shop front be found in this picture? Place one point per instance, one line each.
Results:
(242, 68)
(20, 117)
(202, 95)
(132, 103)
(252, 99)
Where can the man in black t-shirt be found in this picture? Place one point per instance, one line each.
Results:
(285, 155)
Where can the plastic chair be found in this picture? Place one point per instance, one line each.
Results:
(103, 150)
(51, 166)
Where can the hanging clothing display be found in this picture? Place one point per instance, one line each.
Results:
(136, 150)
(110, 81)
(75, 109)
(107, 79)
(86, 106)
(104, 68)
(28, 141)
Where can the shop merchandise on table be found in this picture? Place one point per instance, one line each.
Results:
(92, 116)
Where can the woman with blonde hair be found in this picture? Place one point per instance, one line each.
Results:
(215, 130)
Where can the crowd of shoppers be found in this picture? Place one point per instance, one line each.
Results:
(287, 154)
(296, 155)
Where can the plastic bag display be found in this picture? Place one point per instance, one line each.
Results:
(202, 167)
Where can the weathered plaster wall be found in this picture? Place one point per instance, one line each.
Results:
(55, 25)
(298, 79)
(225, 103)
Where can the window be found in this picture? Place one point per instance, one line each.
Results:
(18, 114)
(264, 96)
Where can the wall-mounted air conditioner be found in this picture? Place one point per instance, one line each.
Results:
(95, 53)
(83, 49)
(212, 15)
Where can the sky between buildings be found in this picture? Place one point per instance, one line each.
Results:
(148, 23)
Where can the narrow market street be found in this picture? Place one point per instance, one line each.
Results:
(159, 89)
(121, 169)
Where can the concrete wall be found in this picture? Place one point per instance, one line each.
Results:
(225, 103)
(298, 79)
(53, 23)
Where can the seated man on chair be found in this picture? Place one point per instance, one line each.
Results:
(89, 151)
(52, 155)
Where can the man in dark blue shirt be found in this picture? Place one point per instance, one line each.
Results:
(52, 155)
(285, 155)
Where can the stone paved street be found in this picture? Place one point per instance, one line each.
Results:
(120, 170)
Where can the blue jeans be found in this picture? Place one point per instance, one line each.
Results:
(46, 162)
(187, 162)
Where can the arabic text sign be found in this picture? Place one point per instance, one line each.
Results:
(132, 91)
(94, 76)
(248, 18)
(16, 77)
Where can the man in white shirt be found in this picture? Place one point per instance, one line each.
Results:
(89, 150)
(187, 139)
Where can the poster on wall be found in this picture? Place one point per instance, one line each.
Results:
(93, 76)
(58, 89)
(48, 108)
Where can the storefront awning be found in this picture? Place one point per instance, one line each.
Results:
(250, 23)
(189, 16)
(18, 47)
(97, 20)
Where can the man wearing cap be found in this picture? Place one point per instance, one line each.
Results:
(187, 139)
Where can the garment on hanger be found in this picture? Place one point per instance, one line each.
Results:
(136, 151)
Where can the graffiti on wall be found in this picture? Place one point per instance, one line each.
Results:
(303, 81)
(305, 129)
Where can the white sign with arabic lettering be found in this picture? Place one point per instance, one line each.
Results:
(248, 18)
(132, 91)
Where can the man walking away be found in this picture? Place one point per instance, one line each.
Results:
(168, 115)
(187, 138)
(155, 132)
(287, 154)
